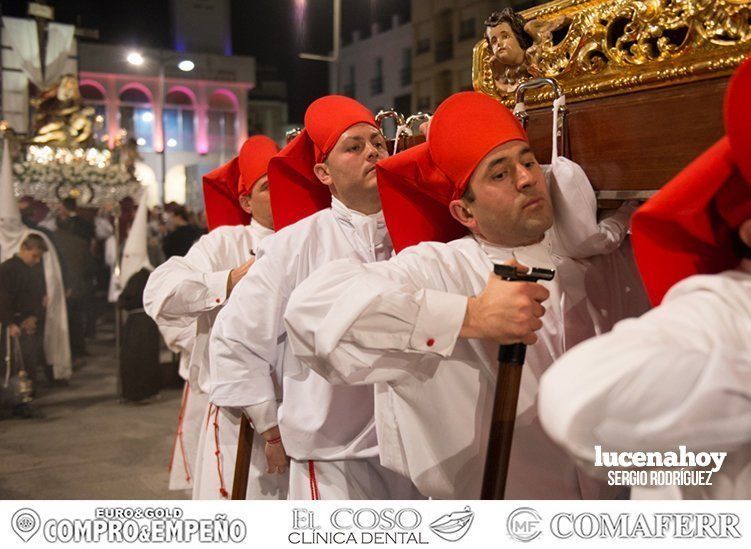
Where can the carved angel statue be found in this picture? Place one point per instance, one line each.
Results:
(508, 43)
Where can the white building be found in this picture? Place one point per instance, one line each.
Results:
(377, 70)
(203, 112)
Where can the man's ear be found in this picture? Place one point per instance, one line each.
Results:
(322, 173)
(245, 204)
(462, 212)
(744, 231)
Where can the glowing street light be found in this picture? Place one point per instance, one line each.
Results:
(186, 65)
(135, 58)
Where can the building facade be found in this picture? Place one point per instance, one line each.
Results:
(445, 32)
(377, 70)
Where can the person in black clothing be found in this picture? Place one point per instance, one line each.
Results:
(182, 234)
(22, 308)
(74, 237)
(139, 365)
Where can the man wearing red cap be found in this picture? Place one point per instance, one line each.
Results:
(194, 288)
(424, 327)
(325, 204)
(681, 374)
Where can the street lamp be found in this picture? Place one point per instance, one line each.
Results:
(135, 58)
(334, 59)
(186, 65)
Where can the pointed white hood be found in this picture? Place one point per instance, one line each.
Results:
(135, 252)
(10, 215)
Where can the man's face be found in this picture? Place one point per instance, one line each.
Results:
(349, 169)
(504, 45)
(511, 204)
(30, 256)
(26, 208)
(258, 203)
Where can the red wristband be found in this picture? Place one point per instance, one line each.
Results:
(275, 440)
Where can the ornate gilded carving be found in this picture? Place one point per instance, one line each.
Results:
(61, 118)
(604, 47)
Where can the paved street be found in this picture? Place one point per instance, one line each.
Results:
(90, 446)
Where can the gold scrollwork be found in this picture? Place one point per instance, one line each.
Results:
(604, 47)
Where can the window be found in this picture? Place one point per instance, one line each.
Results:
(179, 128)
(423, 45)
(349, 87)
(467, 29)
(405, 73)
(376, 83)
(222, 122)
(444, 50)
(137, 117)
(93, 97)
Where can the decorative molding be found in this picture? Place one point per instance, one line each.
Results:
(595, 48)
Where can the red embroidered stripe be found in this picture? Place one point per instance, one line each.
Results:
(314, 494)
(218, 454)
(179, 434)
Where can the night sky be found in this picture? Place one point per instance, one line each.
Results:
(273, 31)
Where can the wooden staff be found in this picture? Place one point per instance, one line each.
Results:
(242, 460)
(510, 362)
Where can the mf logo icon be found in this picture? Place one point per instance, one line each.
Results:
(524, 524)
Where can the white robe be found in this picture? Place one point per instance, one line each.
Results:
(396, 324)
(679, 375)
(321, 424)
(56, 339)
(191, 290)
(193, 406)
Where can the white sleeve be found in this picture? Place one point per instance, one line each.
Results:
(364, 323)
(675, 376)
(247, 333)
(577, 232)
(182, 288)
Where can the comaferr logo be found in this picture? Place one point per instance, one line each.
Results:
(524, 524)
(454, 526)
(645, 525)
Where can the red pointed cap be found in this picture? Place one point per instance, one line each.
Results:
(688, 227)
(296, 192)
(254, 161)
(417, 185)
(221, 198)
(223, 187)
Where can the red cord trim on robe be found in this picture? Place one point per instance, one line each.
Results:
(217, 453)
(314, 493)
(179, 434)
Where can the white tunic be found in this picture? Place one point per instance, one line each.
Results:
(191, 290)
(249, 351)
(679, 375)
(396, 324)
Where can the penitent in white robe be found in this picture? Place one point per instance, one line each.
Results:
(328, 431)
(191, 290)
(679, 375)
(395, 324)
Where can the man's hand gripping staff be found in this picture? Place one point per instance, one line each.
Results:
(510, 362)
